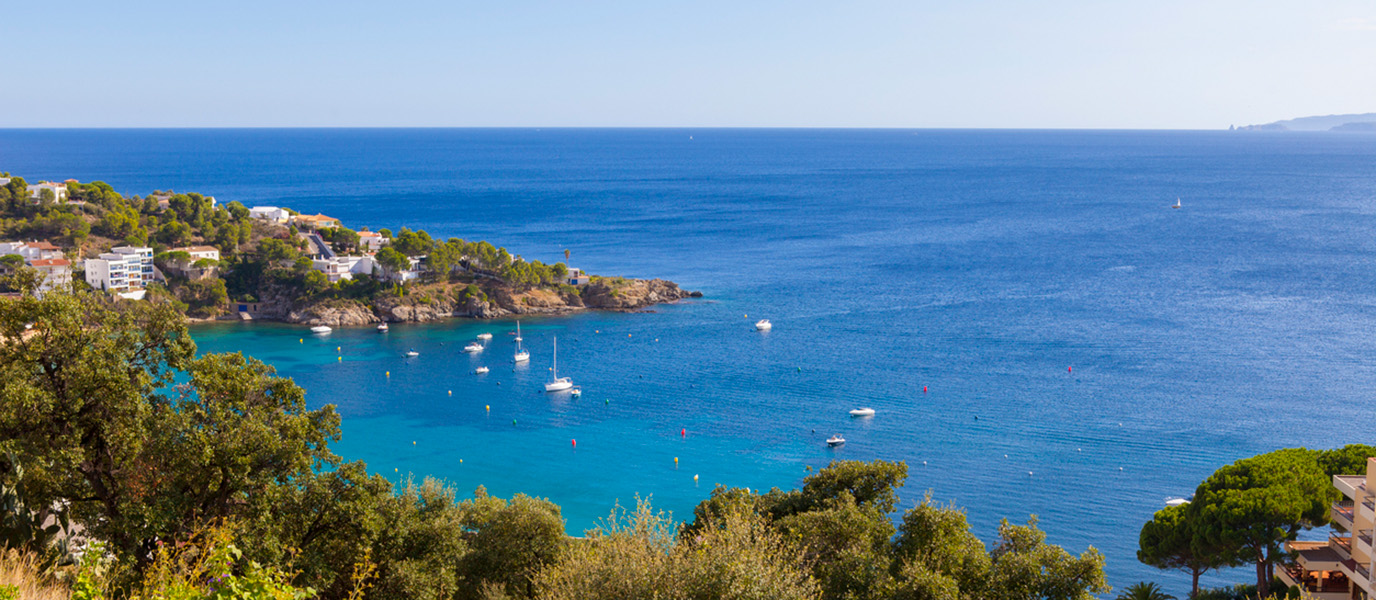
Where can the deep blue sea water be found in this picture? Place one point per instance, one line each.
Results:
(981, 265)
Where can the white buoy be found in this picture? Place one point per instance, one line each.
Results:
(924, 463)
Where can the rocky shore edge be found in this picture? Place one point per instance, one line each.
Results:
(493, 301)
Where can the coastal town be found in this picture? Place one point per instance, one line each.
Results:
(211, 257)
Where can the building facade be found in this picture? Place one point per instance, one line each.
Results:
(1340, 568)
(269, 213)
(122, 269)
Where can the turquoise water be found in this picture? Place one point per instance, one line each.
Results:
(1063, 319)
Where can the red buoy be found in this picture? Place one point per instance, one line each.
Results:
(924, 389)
(1070, 369)
(683, 432)
(575, 443)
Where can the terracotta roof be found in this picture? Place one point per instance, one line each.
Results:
(369, 234)
(195, 249)
(315, 218)
(50, 262)
(42, 246)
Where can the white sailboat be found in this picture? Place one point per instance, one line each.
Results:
(557, 383)
(521, 355)
(1177, 203)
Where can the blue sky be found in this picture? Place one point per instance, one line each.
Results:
(799, 63)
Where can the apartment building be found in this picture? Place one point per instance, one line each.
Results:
(1340, 568)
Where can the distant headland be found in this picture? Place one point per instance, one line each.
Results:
(1361, 123)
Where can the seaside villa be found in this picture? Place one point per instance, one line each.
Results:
(269, 213)
(123, 270)
(59, 190)
(1340, 568)
(314, 221)
(44, 257)
(371, 241)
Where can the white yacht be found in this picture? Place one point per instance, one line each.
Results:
(382, 328)
(321, 329)
(412, 354)
(481, 370)
(862, 412)
(835, 440)
(557, 383)
(521, 355)
(484, 336)
(763, 325)
(473, 347)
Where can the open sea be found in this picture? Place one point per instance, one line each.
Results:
(1037, 329)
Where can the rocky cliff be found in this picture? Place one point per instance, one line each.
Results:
(494, 300)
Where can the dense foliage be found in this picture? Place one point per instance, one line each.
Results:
(208, 473)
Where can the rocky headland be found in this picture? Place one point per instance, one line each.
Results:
(492, 300)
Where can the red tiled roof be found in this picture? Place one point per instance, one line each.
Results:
(42, 245)
(50, 262)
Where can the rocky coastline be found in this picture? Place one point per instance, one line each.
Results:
(496, 300)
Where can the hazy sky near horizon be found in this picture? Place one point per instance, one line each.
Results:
(796, 63)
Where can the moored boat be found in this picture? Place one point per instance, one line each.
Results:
(835, 440)
(763, 325)
(473, 347)
(862, 412)
(383, 328)
(481, 370)
(557, 383)
(321, 329)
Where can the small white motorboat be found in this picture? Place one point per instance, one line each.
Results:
(412, 354)
(321, 329)
(862, 412)
(481, 370)
(577, 392)
(763, 325)
(473, 347)
(383, 328)
(835, 440)
(557, 383)
(484, 336)
(1176, 502)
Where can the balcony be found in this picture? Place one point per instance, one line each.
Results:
(1332, 587)
(1342, 515)
(1352, 486)
(1342, 544)
(1363, 542)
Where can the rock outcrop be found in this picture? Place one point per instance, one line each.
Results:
(489, 300)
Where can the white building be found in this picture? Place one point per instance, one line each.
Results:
(371, 241)
(199, 252)
(123, 269)
(59, 190)
(56, 272)
(345, 267)
(34, 250)
(269, 213)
